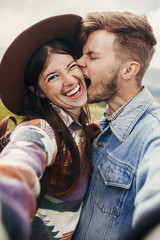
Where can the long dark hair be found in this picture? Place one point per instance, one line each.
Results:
(37, 107)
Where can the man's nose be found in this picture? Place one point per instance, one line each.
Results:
(81, 62)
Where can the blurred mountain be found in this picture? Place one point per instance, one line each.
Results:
(152, 81)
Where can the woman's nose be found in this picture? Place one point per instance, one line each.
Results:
(81, 62)
(68, 79)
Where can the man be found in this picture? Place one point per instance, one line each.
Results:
(125, 175)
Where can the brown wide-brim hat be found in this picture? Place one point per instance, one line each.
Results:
(16, 57)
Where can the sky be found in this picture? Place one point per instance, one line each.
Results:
(17, 15)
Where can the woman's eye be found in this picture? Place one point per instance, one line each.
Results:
(53, 77)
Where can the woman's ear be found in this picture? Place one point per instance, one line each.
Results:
(130, 69)
(31, 88)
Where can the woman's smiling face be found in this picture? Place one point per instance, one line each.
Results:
(62, 82)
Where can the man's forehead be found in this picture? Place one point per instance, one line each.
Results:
(98, 40)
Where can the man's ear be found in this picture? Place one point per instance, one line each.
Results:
(130, 69)
(31, 88)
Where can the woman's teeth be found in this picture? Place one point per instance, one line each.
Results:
(73, 92)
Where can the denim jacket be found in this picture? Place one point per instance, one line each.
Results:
(125, 176)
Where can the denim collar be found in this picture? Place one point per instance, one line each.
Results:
(124, 123)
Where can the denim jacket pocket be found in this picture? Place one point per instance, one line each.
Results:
(111, 186)
(115, 174)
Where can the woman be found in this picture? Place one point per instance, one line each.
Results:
(52, 142)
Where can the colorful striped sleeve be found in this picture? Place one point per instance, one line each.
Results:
(22, 162)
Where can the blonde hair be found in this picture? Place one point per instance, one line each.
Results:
(134, 36)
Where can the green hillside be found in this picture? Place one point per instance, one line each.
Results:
(4, 112)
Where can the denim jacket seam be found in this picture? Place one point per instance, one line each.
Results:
(117, 163)
(153, 114)
(145, 139)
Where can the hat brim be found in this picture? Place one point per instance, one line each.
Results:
(16, 57)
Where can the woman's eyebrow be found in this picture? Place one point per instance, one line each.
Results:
(70, 63)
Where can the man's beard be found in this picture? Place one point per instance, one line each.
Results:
(109, 91)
